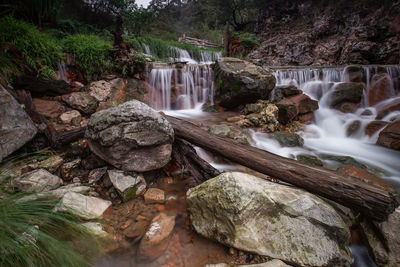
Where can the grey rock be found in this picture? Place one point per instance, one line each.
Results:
(131, 137)
(57, 193)
(238, 82)
(86, 207)
(96, 175)
(16, 127)
(37, 181)
(128, 185)
(254, 215)
(384, 239)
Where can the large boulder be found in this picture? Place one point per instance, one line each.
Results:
(278, 221)
(131, 137)
(384, 239)
(390, 136)
(16, 127)
(381, 89)
(347, 92)
(238, 82)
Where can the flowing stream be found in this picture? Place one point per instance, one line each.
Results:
(183, 90)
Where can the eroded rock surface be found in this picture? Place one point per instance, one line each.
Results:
(132, 137)
(238, 82)
(252, 214)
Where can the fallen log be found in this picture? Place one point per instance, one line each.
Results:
(370, 200)
(65, 137)
(39, 87)
(186, 156)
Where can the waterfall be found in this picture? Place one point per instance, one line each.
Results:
(180, 87)
(62, 71)
(327, 134)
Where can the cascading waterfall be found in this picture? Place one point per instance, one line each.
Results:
(180, 88)
(327, 135)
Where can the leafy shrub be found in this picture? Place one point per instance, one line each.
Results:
(20, 39)
(90, 54)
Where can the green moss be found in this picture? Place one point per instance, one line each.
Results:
(129, 194)
(236, 88)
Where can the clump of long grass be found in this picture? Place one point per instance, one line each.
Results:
(32, 234)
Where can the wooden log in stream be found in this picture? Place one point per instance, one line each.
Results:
(372, 201)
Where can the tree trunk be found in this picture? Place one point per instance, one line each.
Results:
(227, 39)
(372, 201)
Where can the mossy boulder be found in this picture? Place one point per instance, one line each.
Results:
(347, 92)
(269, 219)
(238, 82)
(288, 139)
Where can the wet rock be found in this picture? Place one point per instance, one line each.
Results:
(283, 91)
(131, 137)
(81, 101)
(235, 118)
(343, 160)
(288, 139)
(72, 117)
(364, 176)
(96, 175)
(286, 113)
(355, 73)
(347, 92)
(254, 215)
(239, 82)
(303, 103)
(101, 90)
(353, 128)
(221, 130)
(381, 89)
(156, 239)
(136, 230)
(384, 239)
(374, 126)
(384, 108)
(47, 108)
(128, 185)
(37, 181)
(16, 126)
(86, 207)
(306, 118)
(390, 136)
(154, 196)
(347, 107)
(70, 169)
(310, 160)
(243, 137)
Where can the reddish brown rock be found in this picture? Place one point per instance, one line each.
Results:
(390, 136)
(347, 92)
(353, 127)
(305, 118)
(136, 230)
(47, 108)
(154, 195)
(155, 241)
(374, 126)
(365, 176)
(347, 107)
(302, 102)
(381, 89)
(384, 109)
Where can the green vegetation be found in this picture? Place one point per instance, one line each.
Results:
(32, 234)
(162, 49)
(24, 47)
(90, 54)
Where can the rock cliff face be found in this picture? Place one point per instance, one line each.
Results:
(305, 32)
